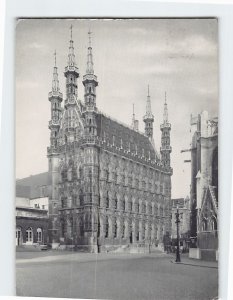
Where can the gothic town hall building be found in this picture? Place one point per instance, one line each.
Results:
(110, 188)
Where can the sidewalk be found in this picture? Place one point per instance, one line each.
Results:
(185, 260)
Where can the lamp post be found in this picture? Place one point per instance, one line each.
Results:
(178, 237)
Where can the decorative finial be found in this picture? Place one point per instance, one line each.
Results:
(133, 119)
(55, 58)
(55, 83)
(165, 113)
(89, 37)
(71, 31)
(90, 68)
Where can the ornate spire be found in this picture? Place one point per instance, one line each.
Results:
(71, 56)
(149, 114)
(55, 82)
(133, 118)
(165, 128)
(90, 81)
(90, 65)
(165, 112)
(148, 118)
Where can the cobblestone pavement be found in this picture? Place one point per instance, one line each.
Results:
(113, 276)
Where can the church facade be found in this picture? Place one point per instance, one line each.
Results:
(204, 186)
(110, 188)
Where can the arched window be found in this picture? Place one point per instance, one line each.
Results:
(214, 224)
(39, 235)
(204, 225)
(29, 235)
(18, 236)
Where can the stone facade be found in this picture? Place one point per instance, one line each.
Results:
(31, 224)
(204, 188)
(109, 186)
(32, 209)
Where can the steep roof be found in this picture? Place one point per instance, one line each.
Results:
(34, 186)
(124, 137)
(34, 180)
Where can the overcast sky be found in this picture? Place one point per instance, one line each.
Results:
(179, 56)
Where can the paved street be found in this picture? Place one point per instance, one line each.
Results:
(113, 276)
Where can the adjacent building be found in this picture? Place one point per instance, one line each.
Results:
(204, 186)
(32, 210)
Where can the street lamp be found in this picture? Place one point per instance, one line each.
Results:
(178, 238)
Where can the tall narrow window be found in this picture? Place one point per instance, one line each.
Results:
(18, 236)
(115, 230)
(123, 230)
(80, 172)
(99, 228)
(81, 227)
(39, 235)
(29, 235)
(123, 205)
(107, 175)
(106, 227)
(116, 203)
(130, 206)
(107, 201)
(214, 224)
(81, 198)
(204, 225)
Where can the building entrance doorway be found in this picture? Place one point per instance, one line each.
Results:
(29, 236)
(18, 240)
(131, 237)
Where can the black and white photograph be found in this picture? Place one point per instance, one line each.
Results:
(116, 158)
